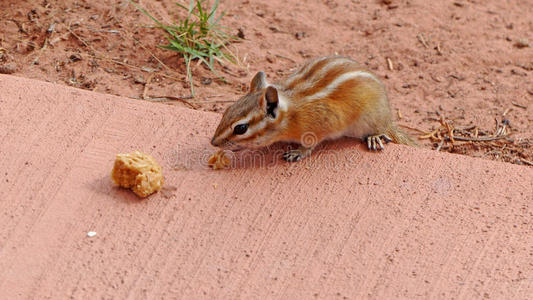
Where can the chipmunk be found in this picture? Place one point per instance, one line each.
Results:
(326, 98)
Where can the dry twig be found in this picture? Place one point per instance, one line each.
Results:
(172, 99)
(389, 64)
(498, 145)
(519, 105)
(422, 40)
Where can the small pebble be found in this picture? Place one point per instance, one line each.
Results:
(300, 35)
(139, 79)
(8, 68)
(75, 57)
(91, 233)
(240, 33)
(206, 81)
(521, 43)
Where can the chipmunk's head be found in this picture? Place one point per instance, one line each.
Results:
(254, 120)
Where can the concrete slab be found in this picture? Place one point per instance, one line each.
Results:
(346, 223)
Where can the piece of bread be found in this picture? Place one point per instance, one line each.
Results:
(138, 172)
(218, 160)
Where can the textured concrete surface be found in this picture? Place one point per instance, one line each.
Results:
(346, 223)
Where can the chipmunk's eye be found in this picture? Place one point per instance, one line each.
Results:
(240, 129)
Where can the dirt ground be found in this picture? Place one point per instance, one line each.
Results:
(468, 63)
(342, 224)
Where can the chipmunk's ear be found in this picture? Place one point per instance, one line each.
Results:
(271, 101)
(258, 82)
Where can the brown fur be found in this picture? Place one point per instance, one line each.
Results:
(359, 101)
(236, 112)
(318, 66)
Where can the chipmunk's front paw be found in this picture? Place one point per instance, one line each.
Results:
(374, 141)
(296, 154)
(293, 155)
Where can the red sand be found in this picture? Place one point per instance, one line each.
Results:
(345, 223)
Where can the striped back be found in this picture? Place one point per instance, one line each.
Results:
(319, 78)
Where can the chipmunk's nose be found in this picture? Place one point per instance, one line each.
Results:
(214, 142)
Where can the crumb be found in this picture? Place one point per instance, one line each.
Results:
(138, 172)
(218, 160)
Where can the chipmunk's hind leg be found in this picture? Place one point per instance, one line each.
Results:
(297, 154)
(374, 142)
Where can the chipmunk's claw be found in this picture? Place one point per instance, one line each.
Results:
(295, 155)
(292, 155)
(374, 142)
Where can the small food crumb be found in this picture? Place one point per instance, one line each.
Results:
(91, 233)
(138, 172)
(218, 160)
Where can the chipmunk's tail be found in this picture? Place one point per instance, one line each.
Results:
(399, 137)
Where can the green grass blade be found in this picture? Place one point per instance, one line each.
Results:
(199, 8)
(197, 36)
(181, 5)
(213, 11)
(191, 7)
(146, 13)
